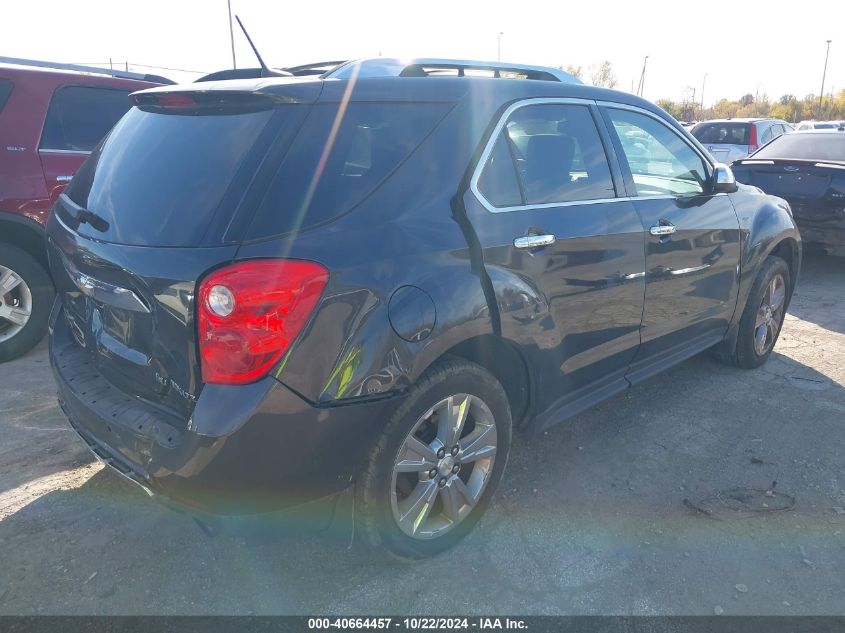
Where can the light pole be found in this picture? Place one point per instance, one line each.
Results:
(703, 81)
(824, 76)
(231, 34)
(499, 47)
(641, 87)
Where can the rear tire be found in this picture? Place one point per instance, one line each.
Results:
(762, 318)
(425, 487)
(26, 297)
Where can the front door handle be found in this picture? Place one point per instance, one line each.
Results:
(533, 241)
(662, 229)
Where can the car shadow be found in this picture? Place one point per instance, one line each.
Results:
(820, 294)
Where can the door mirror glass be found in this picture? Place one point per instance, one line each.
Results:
(723, 179)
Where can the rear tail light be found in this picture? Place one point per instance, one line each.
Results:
(249, 313)
(753, 146)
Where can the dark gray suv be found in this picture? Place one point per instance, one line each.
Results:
(271, 290)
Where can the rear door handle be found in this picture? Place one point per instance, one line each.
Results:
(533, 241)
(662, 229)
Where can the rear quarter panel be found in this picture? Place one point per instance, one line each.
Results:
(403, 234)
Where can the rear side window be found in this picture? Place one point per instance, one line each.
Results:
(80, 116)
(341, 155)
(5, 91)
(498, 182)
(558, 154)
(725, 133)
(160, 179)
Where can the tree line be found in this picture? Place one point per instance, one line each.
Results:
(788, 107)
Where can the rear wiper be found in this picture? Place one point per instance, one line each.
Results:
(84, 216)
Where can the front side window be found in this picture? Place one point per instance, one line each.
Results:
(660, 161)
(557, 154)
(80, 116)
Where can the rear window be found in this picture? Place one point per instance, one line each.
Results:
(810, 146)
(160, 179)
(725, 133)
(80, 116)
(340, 156)
(5, 91)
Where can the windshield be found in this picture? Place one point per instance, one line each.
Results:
(820, 147)
(159, 179)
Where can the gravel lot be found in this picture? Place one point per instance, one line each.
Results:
(644, 505)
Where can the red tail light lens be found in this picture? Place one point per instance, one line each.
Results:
(753, 146)
(249, 313)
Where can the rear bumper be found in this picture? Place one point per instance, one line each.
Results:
(828, 234)
(246, 449)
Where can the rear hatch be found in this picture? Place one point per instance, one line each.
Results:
(815, 190)
(727, 141)
(159, 203)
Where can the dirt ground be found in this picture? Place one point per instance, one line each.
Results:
(643, 505)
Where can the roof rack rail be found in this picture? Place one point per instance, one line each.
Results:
(427, 67)
(86, 69)
(318, 68)
(305, 70)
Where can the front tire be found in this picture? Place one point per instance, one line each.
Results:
(441, 457)
(762, 319)
(26, 295)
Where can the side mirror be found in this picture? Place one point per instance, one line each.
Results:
(723, 179)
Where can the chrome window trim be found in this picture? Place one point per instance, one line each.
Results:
(72, 152)
(488, 149)
(659, 119)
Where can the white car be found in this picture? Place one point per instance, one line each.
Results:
(732, 139)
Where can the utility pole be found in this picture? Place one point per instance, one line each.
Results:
(824, 76)
(703, 81)
(499, 45)
(231, 34)
(692, 106)
(641, 87)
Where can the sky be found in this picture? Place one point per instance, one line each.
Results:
(743, 47)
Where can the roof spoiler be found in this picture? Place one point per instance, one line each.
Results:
(87, 69)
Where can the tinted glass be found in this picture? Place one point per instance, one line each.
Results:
(559, 154)
(725, 133)
(339, 157)
(809, 146)
(768, 135)
(79, 117)
(159, 179)
(498, 183)
(660, 160)
(5, 91)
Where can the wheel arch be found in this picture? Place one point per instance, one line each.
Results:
(26, 234)
(504, 360)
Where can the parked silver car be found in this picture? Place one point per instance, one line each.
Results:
(817, 125)
(732, 139)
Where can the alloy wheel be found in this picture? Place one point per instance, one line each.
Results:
(15, 303)
(770, 315)
(443, 466)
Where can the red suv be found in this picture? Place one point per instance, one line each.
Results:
(50, 120)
